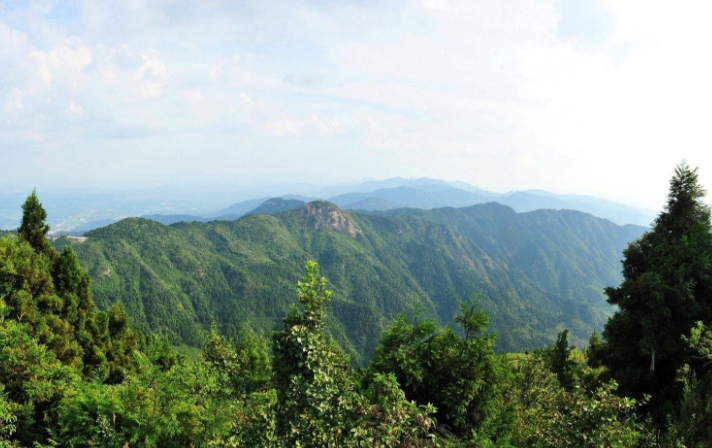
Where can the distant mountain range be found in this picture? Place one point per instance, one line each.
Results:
(276, 205)
(388, 194)
(433, 193)
(239, 209)
(536, 272)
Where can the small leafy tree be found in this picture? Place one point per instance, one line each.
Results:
(316, 399)
(391, 420)
(459, 375)
(245, 368)
(33, 382)
(152, 407)
(548, 416)
(692, 426)
(319, 402)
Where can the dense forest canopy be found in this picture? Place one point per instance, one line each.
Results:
(72, 375)
(535, 272)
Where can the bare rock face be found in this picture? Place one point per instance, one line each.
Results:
(322, 213)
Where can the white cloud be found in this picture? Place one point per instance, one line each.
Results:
(437, 5)
(75, 109)
(197, 96)
(151, 67)
(312, 124)
(151, 89)
(249, 103)
(67, 60)
(486, 91)
(14, 101)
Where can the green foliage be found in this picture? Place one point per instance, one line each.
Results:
(560, 362)
(7, 421)
(550, 416)
(33, 380)
(316, 395)
(459, 375)
(667, 288)
(391, 420)
(50, 334)
(74, 376)
(51, 294)
(319, 402)
(580, 419)
(700, 341)
(692, 426)
(122, 341)
(534, 271)
(34, 227)
(245, 368)
(595, 350)
(152, 407)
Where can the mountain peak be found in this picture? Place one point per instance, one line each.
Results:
(318, 214)
(276, 205)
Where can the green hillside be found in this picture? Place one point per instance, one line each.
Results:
(535, 272)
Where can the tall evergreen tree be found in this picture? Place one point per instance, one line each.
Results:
(594, 350)
(34, 227)
(72, 285)
(667, 287)
(561, 365)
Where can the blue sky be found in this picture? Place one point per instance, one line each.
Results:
(573, 96)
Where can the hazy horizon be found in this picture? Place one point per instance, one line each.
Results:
(599, 98)
(236, 192)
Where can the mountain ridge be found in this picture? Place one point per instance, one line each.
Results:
(535, 272)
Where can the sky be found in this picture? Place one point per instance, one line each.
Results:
(572, 96)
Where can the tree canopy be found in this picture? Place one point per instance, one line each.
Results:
(73, 375)
(34, 228)
(667, 288)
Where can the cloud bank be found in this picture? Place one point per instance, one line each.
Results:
(572, 96)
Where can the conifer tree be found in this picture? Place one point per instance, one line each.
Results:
(594, 350)
(667, 287)
(123, 340)
(561, 365)
(72, 285)
(34, 227)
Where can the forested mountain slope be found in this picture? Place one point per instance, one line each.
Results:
(172, 219)
(417, 198)
(535, 272)
(436, 195)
